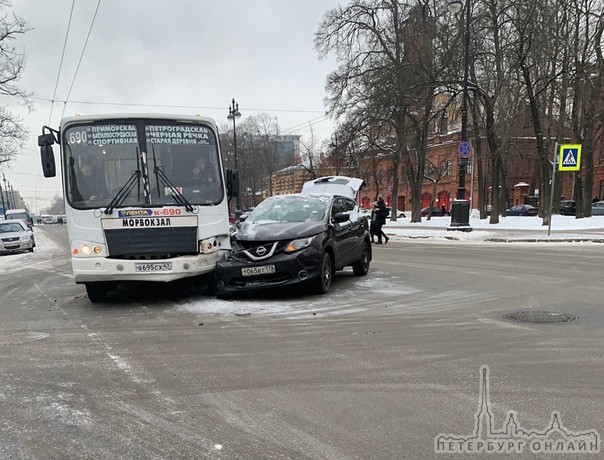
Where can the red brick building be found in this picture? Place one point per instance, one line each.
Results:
(521, 161)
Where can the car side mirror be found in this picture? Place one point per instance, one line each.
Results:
(341, 217)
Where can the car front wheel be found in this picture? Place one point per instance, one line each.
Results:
(361, 268)
(323, 282)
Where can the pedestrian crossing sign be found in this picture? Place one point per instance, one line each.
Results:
(569, 157)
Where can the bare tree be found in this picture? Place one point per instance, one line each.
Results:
(256, 154)
(57, 205)
(311, 155)
(384, 48)
(434, 174)
(587, 87)
(12, 65)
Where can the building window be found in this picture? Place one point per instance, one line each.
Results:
(444, 124)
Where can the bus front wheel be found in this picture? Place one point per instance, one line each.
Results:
(97, 292)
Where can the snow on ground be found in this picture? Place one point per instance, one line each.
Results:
(11, 262)
(563, 228)
(291, 305)
(509, 228)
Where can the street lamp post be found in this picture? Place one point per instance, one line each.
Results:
(3, 205)
(6, 193)
(460, 209)
(233, 115)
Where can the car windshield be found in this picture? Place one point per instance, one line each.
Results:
(10, 227)
(290, 208)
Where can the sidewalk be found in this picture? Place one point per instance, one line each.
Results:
(509, 229)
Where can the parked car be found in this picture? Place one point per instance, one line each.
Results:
(295, 239)
(16, 236)
(597, 208)
(436, 212)
(568, 208)
(522, 210)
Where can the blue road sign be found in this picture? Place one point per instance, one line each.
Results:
(464, 149)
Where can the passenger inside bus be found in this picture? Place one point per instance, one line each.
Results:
(200, 174)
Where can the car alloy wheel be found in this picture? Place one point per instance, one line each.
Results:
(323, 283)
(361, 268)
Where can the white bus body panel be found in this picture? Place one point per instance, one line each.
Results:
(84, 230)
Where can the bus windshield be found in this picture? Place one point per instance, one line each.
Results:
(148, 162)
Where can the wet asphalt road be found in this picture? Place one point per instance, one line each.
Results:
(376, 369)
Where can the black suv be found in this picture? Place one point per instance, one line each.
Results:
(295, 239)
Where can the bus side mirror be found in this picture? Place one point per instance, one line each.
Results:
(46, 139)
(47, 156)
(48, 161)
(232, 183)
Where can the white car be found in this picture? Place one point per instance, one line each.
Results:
(15, 236)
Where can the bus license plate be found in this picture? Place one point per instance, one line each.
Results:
(263, 270)
(154, 267)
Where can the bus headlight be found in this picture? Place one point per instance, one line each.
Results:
(87, 249)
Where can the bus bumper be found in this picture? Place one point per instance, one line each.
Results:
(98, 269)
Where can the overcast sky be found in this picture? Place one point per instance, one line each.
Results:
(178, 56)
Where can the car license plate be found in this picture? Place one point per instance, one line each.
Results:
(263, 270)
(154, 267)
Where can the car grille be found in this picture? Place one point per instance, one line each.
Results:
(10, 240)
(258, 249)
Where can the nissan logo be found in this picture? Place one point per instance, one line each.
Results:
(261, 251)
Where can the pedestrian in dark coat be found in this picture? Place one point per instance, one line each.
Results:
(381, 212)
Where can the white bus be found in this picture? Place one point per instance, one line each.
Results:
(134, 210)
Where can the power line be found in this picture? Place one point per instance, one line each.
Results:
(61, 63)
(304, 125)
(172, 106)
(81, 56)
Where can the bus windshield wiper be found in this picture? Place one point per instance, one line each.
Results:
(123, 192)
(160, 176)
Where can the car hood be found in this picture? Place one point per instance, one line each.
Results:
(274, 231)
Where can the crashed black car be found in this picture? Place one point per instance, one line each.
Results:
(293, 239)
